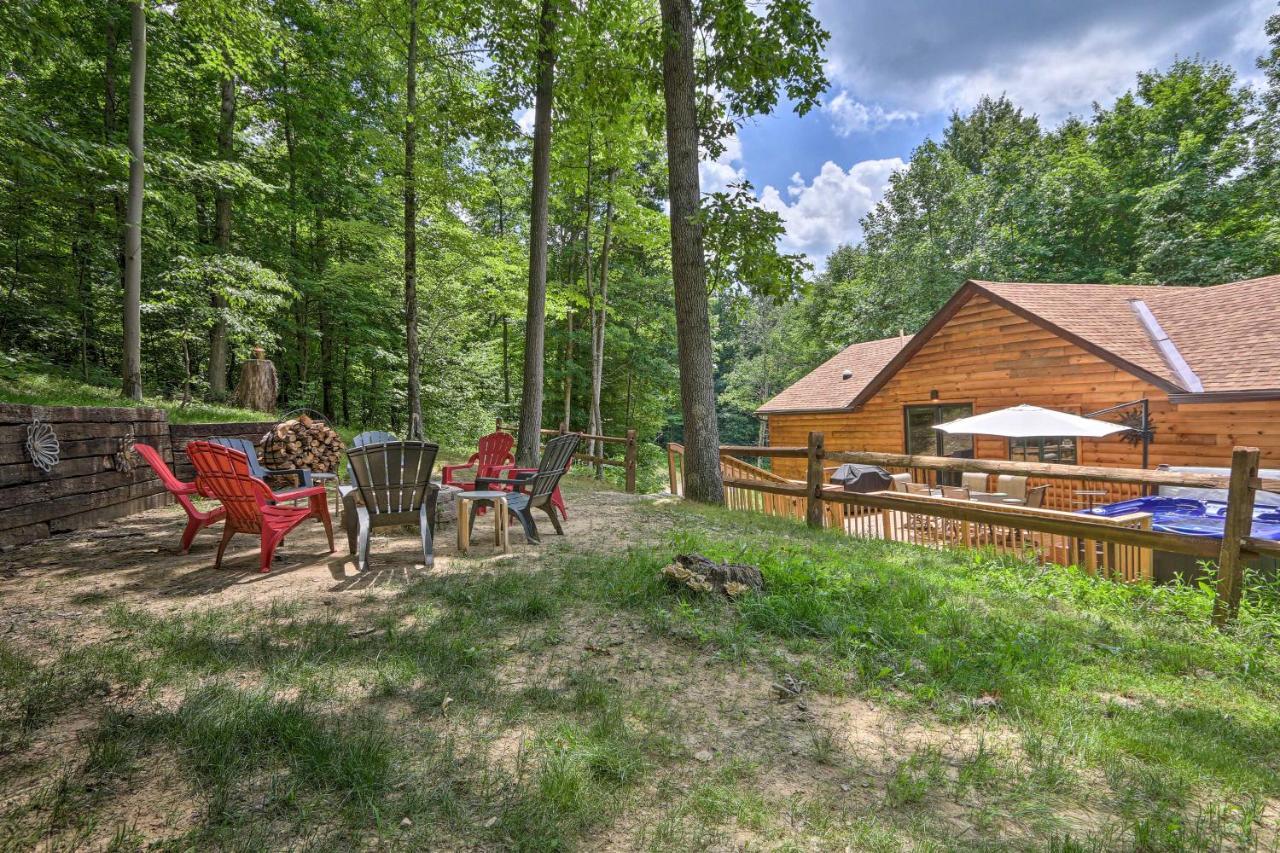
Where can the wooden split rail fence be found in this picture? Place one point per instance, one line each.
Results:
(628, 461)
(1117, 547)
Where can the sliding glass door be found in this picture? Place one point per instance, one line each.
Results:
(923, 440)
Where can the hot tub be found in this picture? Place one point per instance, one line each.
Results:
(1190, 518)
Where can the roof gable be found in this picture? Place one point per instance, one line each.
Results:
(1224, 338)
(825, 389)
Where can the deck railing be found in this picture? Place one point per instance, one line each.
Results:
(1118, 547)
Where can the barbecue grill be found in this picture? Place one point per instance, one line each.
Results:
(862, 478)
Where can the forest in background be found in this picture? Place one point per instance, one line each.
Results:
(276, 156)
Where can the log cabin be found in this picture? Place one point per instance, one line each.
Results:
(1207, 360)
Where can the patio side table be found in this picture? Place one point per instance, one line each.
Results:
(498, 500)
(327, 478)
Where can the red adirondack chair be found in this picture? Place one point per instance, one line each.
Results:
(493, 456)
(196, 518)
(251, 506)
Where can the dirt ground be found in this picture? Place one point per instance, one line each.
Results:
(814, 767)
(135, 561)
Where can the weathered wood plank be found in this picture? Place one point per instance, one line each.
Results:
(76, 431)
(19, 413)
(12, 497)
(45, 510)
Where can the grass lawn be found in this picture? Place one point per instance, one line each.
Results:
(565, 698)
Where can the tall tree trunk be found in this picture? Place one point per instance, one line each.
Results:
(222, 238)
(411, 230)
(586, 274)
(295, 263)
(536, 309)
(132, 368)
(703, 481)
(110, 107)
(346, 381)
(597, 328)
(506, 365)
(81, 247)
(567, 418)
(326, 365)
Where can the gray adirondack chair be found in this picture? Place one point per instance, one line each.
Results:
(256, 468)
(393, 482)
(533, 489)
(373, 436)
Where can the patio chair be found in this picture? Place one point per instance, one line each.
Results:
(1014, 486)
(974, 481)
(197, 519)
(900, 481)
(1036, 495)
(256, 468)
(393, 484)
(373, 436)
(536, 488)
(492, 457)
(251, 505)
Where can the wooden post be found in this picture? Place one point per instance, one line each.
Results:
(813, 481)
(497, 427)
(671, 468)
(564, 427)
(630, 461)
(1238, 525)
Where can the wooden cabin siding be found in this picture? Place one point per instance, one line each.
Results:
(988, 356)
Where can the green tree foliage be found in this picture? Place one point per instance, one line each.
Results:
(1174, 182)
(275, 199)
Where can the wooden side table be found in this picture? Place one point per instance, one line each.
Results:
(498, 500)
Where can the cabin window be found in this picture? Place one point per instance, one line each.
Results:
(1061, 450)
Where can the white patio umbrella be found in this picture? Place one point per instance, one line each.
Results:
(1031, 422)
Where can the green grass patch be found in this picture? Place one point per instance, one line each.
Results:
(44, 385)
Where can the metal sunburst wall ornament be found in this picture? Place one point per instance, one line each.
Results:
(42, 445)
(1133, 420)
(122, 459)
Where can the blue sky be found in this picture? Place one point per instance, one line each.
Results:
(899, 67)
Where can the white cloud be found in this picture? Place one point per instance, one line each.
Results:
(716, 175)
(850, 116)
(1051, 58)
(824, 213)
(525, 121)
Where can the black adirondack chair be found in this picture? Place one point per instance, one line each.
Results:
(533, 490)
(256, 468)
(393, 481)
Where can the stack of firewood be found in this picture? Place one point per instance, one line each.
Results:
(301, 442)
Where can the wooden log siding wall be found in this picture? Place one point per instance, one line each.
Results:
(992, 358)
(85, 487)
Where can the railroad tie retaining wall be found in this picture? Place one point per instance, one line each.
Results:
(91, 483)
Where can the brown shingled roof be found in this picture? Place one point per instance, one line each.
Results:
(824, 388)
(1227, 335)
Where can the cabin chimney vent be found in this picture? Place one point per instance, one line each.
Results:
(848, 374)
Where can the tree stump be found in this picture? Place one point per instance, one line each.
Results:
(701, 574)
(258, 385)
